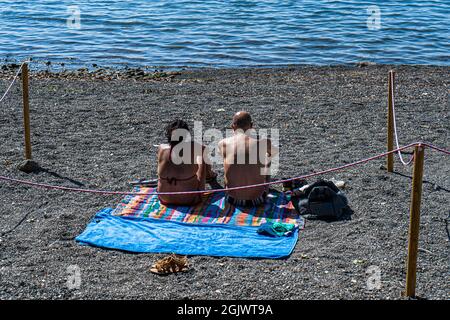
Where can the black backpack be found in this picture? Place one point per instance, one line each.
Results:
(322, 200)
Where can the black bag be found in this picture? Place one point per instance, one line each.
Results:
(322, 200)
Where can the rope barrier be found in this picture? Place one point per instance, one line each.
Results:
(436, 148)
(108, 192)
(405, 163)
(13, 80)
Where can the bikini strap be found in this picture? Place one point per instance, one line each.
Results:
(173, 180)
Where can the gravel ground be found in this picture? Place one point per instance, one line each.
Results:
(94, 133)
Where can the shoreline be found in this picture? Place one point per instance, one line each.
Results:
(150, 73)
(100, 134)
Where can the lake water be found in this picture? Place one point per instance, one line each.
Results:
(225, 33)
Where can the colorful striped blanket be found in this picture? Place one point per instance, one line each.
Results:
(213, 209)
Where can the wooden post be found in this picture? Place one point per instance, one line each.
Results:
(390, 122)
(414, 221)
(26, 111)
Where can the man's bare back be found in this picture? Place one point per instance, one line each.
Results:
(246, 159)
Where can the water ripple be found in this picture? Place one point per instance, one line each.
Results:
(226, 33)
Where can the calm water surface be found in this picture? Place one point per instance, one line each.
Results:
(225, 33)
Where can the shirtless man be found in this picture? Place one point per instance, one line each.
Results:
(181, 166)
(246, 160)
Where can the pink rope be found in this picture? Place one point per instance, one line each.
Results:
(436, 148)
(107, 192)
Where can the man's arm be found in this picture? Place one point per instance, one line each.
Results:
(271, 149)
(271, 152)
(210, 174)
(201, 172)
(221, 147)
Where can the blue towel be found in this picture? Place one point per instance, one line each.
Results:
(163, 236)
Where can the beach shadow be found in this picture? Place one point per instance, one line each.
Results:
(56, 175)
(435, 185)
(346, 216)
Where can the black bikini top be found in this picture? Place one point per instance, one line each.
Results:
(173, 180)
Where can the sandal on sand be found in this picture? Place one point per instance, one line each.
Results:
(170, 264)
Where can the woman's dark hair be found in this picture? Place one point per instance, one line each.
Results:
(177, 124)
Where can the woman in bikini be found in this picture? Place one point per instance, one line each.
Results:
(181, 166)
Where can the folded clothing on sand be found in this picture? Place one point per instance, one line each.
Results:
(277, 229)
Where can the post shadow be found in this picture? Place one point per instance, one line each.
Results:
(56, 175)
(439, 188)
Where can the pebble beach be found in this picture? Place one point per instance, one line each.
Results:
(97, 128)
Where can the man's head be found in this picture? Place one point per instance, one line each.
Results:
(176, 131)
(242, 120)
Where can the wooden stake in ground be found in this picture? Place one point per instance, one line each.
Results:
(27, 165)
(414, 222)
(26, 111)
(390, 122)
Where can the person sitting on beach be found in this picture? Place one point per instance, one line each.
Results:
(181, 166)
(246, 160)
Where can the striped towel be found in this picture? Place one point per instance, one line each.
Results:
(212, 209)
